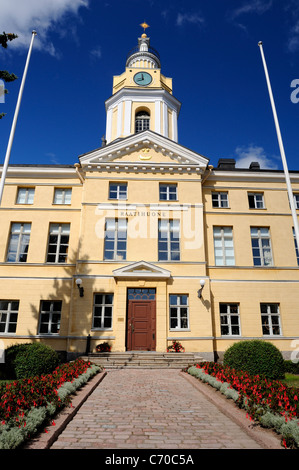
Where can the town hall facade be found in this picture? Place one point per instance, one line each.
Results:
(144, 242)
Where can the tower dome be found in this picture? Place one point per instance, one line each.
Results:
(143, 55)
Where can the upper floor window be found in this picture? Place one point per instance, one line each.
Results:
(58, 243)
(18, 242)
(168, 192)
(62, 195)
(261, 246)
(224, 246)
(220, 199)
(25, 196)
(115, 239)
(142, 121)
(256, 201)
(296, 198)
(118, 190)
(169, 240)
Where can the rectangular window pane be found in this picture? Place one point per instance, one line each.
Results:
(178, 311)
(168, 192)
(102, 311)
(25, 196)
(62, 196)
(117, 191)
(19, 242)
(229, 319)
(270, 318)
(50, 316)
(169, 240)
(261, 246)
(8, 315)
(223, 246)
(115, 243)
(58, 243)
(220, 199)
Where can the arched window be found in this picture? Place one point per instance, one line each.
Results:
(142, 121)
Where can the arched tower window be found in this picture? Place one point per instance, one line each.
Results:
(142, 121)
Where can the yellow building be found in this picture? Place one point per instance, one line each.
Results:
(143, 242)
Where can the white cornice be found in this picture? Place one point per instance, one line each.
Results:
(20, 171)
(144, 95)
(244, 175)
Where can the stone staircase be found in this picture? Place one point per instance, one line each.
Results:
(143, 359)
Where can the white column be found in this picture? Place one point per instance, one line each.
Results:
(174, 125)
(165, 120)
(128, 117)
(109, 125)
(119, 118)
(158, 117)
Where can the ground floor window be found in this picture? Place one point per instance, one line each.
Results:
(102, 311)
(229, 319)
(50, 315)
(270, 319)
(8, 315)
(179, 311)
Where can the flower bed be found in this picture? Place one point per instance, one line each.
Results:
(269, 402)
(26, 404)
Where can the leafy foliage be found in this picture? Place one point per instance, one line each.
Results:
(256, 357)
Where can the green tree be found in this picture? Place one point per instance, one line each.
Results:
(4, 74)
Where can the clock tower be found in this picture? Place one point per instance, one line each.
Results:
(142, 97)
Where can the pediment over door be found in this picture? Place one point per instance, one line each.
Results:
(141, 270)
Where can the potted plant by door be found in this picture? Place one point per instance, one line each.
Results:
(176, 347)
(103, 347)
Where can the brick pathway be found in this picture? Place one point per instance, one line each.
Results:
(150, 409)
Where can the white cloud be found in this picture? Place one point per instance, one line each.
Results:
(96, 52)
(193, 18)
(21, 17)
(256, 6)
(253, 153)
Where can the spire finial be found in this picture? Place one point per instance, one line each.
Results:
(144, 25)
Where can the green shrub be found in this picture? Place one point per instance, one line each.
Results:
(29, 360)
(291, 367)
(257, 357)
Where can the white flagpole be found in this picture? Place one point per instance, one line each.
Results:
(283, 157)
(14, 123)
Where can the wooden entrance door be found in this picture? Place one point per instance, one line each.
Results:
(141, 325)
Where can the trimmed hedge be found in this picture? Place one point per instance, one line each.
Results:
(257, 357)
(28, 360)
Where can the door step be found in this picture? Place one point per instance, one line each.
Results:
(143, 359)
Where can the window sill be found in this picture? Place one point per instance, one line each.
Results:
(179, 329)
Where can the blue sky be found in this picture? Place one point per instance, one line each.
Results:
(210, 49)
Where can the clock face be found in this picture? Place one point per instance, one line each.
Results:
(142, 78)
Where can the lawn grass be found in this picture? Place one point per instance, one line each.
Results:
(291, 380)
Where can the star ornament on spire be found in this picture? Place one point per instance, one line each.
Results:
(144, 25)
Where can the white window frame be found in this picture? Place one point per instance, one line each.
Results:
(9, 323)
(22, 231)
(220, 199)
(142, 121)
(29, 195)
(62, 230)
(261, 238)
(166, 189)
(296, 200)
(65, 198)
(269, 315)
(103, 314)
(257, 201)
(120, 233)
(120, 194)
(221, 239)
(179, 306)
(51, 324)
(229, 313)
(166, 231)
